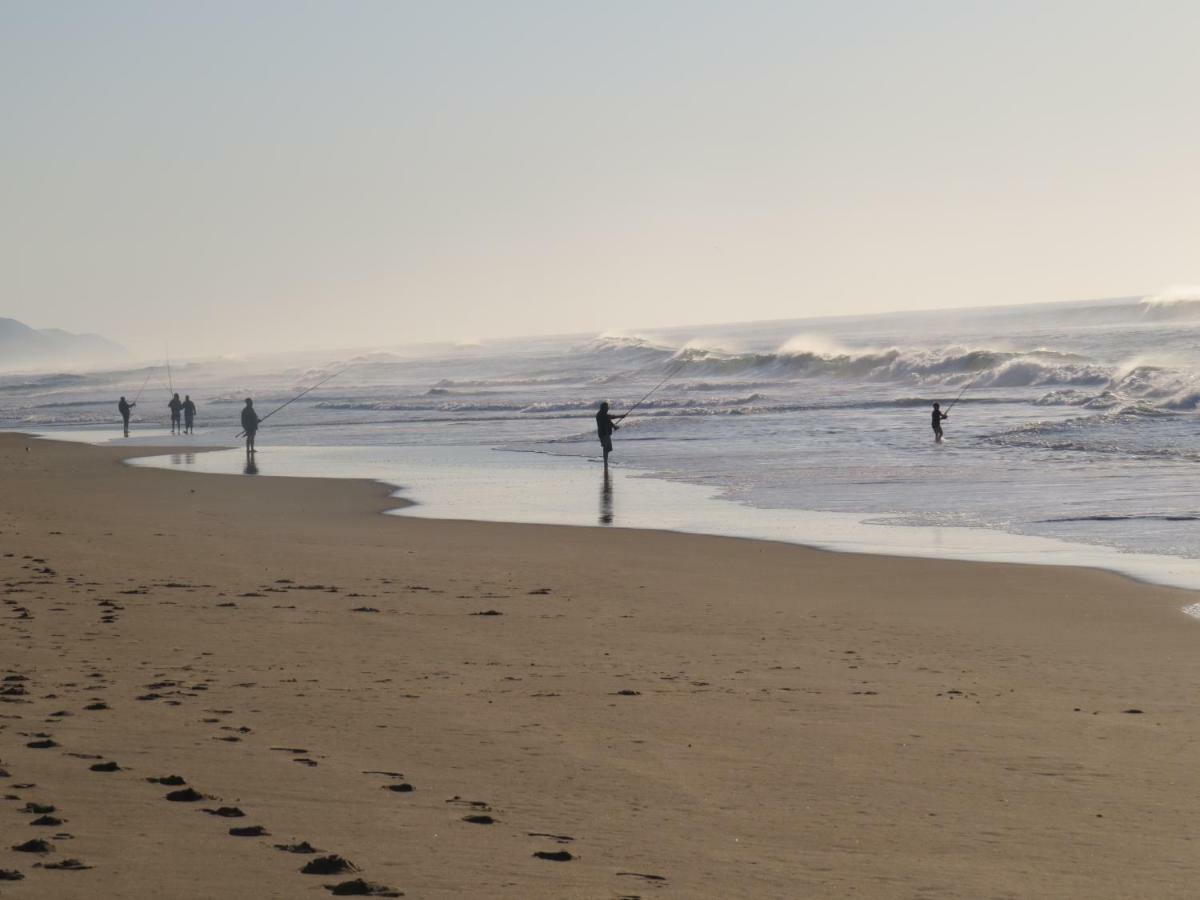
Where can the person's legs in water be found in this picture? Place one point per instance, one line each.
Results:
(937, 434)
(606, 443)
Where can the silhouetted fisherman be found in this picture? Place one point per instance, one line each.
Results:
(250, 422)
(125, 406)
(938, 418)
(605, 426)
(189, 413)
(175, 406)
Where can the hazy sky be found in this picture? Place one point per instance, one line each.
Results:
(238, 175)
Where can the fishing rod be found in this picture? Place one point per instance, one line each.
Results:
(149, 372)
(170, 380)
(298, 396)
(963, 391)
(675, 371)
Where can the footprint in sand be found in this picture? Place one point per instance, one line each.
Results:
(328, 865)
(105, 767)
(187, 795)
(10, 875)
(479, 820)
(225, 812)
(249, 831)
(642, 875)
(36, 845)
(302, 847)
(68, 865)
(554, 855)
(360, 888)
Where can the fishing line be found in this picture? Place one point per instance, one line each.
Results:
(298, 396)
(675, 371)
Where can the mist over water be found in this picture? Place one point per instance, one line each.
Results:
(1076, 421)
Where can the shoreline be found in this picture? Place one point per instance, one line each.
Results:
(1139, 568)
(691, 509)
(737, 718)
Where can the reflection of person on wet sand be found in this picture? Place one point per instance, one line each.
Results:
(250, 422)
(124, 407)
(251, 466)
(605, 426)
(606, 499)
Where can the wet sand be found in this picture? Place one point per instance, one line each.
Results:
(500, 710)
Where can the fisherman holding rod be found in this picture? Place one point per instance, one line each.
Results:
(250, 422)
(606, 424)
(939, 416)
(251, 419)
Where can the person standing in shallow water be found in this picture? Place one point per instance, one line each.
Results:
(189, 413)
(175, 406)
(938, 418)
(250, 422)
(124, 407)
(605, 426)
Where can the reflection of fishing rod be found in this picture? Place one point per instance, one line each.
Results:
(297, 397)
(675, 371)
(963, 391)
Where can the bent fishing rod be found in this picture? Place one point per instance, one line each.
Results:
(142, 388)
(297, 397)
(675, 371)
(968, 385)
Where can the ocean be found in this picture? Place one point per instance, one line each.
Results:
(1076, 427)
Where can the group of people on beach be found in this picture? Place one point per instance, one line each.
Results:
(606, 423)
(183, 413)
(183, 417)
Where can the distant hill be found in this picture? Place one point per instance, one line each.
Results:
(22, 347)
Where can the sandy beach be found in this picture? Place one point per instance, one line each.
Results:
(660, 715)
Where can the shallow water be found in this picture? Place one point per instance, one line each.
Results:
(475, 483)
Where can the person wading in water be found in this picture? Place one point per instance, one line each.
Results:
(938, 418)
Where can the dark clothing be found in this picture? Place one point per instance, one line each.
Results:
(604, 425)
(189, 412)
(250, 420)
(125, 409)
(175, 405)
(938, 416)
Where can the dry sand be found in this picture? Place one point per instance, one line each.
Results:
(685, 716)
